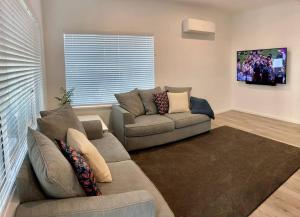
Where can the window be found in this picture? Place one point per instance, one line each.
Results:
(20, 88)
(98, 66)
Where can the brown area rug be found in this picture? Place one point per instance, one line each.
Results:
(226, 172)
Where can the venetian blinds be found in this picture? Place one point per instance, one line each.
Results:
(20, 88)
(98, 66)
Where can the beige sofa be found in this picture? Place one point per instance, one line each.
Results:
(131, 194)
(152, 130)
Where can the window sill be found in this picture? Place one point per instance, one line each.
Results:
(103, 106)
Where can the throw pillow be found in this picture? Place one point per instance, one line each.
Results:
(178, 102)
(81, 144)
(84, 173)
(55, 125)
(132, 102)
(179, 90)
(148, 100)
(53, 171)
(162, 102)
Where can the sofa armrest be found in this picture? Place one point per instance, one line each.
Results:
(130, 204)
(120, 118)
(93, 129)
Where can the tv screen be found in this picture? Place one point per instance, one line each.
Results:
(265, 66)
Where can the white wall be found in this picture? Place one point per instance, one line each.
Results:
(271, 27)
(206, 65)
(180, 61)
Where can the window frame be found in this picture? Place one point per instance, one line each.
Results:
(110, 104)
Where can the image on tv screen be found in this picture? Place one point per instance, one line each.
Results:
(267, 66)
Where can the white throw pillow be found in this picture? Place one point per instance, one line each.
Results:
(80, 143)
(178, 102)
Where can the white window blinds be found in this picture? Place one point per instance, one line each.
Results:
(20, 88)
(98, 66)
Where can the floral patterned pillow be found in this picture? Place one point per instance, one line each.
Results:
(82, 170)
(162, 102)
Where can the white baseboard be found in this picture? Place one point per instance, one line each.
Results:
(222, 111)
(267, 115)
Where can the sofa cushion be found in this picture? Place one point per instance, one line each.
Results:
(132, 102)
(52, 169)
(110, 148)
(129, 177)
(148, 125)
(56, 123)
(148, 100)
(187, 119)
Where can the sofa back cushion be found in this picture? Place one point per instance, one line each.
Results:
(52, 169)
(179, 90)
(132, 102)
(55, 123)
(27, 185)
(148, 100)
(49, 112)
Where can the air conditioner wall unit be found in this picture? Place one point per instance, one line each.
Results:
(198, 26)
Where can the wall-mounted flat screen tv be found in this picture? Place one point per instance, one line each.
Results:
(264, 66)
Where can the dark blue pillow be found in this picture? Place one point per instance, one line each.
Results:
(201, 106)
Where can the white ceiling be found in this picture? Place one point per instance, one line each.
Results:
(236, 5)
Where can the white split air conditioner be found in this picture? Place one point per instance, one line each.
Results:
(198, 26)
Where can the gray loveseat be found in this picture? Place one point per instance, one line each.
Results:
(152, 130)
(131, 194)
